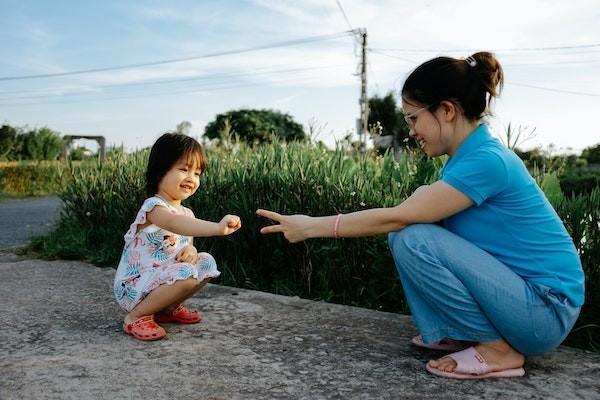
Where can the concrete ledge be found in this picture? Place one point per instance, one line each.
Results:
(61, 338)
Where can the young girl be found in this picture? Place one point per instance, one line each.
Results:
(160, 267)
(501, 273)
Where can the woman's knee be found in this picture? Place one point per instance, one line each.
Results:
(409, 238)
(404, 245)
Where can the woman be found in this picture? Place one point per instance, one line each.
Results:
(500, 271)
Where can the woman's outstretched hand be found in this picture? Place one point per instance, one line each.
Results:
(293, 227)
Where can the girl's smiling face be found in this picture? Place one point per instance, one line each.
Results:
(181, 181)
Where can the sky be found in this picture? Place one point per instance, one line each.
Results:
(293, 56)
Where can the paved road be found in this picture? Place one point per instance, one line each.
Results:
(61, 338)
(21, 219)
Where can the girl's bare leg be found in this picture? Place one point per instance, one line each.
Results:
(189, 294)
(163, 297)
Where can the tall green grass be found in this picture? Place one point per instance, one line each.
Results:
(581, 216)
(102, 200)
(299, 179)
(31, 178)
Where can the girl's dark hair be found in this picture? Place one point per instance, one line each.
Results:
(165, 152)
(470, 83)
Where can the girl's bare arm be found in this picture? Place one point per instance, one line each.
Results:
(190, 226)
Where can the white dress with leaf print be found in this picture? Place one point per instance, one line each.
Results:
(148, 259)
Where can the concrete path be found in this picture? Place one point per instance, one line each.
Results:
(61, 338)
(22, 218)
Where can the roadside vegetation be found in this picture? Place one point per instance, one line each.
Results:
(101, 198)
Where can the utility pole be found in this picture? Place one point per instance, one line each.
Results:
(364, 101)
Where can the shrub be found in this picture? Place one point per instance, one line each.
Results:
(32, 178)
(579, 182)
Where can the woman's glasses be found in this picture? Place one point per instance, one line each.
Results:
(411, 118)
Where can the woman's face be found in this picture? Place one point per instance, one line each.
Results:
(428, 127)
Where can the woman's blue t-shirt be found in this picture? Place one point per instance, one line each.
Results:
(511, 218)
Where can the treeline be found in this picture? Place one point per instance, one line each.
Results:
(248, 125)
(18, 144)
(577, 173)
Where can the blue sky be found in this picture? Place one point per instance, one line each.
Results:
(314, 81)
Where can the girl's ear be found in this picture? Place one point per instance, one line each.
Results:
(449, 110)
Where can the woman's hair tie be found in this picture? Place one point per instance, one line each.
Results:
(472, 62)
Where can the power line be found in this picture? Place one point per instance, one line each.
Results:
(344, 14)
(505, 64)
(558, 52)
(568, 62)
(509, 83)
(407, 50)
(188, 79)
(383, 53)
(200, 88)
(553, 90)
(184, 59)
(189, 91)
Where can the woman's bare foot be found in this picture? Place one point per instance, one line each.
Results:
(498, 355)
(448, 341)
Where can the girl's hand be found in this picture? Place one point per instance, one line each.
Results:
(230, 224)
(188, 254)
(293, 227)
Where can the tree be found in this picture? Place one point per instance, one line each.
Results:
(386, 122)
(8, 142)
(255, 126)
(592, 154)
(184, 127)
(533, 158)
(79, 154)
(40, 144)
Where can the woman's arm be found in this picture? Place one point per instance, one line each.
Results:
(190, 226)
(426, 205)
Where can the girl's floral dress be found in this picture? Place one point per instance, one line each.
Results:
(148, 259)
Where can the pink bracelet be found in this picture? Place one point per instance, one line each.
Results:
(336, 226)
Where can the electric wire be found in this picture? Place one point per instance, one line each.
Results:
(344, 14)
(553, 89)
(554, 48)
(90, 89)
(197, 89)
(185, 59)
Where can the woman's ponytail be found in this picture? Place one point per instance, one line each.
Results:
(470, 83)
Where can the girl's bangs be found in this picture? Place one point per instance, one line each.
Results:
(194, 156)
